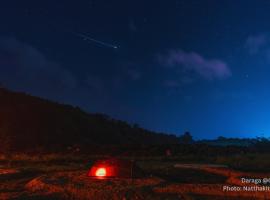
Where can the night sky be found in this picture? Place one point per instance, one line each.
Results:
(168, 65)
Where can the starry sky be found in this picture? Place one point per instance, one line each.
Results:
(178, 65)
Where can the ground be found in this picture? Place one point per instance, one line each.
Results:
(165, 179)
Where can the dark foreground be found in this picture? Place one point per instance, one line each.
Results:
(53, 178)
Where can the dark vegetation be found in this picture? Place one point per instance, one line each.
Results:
(31, 123)
(176, 175)
(36, 126)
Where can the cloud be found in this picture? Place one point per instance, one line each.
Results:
(25, 68)
(209, 69)
(172, 83)
(134, 74)
(256, 43)
(132, 26)
(95, 84)
(129, 71)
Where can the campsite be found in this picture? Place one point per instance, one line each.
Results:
(111, 159)
(59, 177)
(135, 100)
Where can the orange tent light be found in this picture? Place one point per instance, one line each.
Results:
(101, 172)
(114, 168)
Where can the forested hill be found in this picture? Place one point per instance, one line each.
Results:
(28, 123)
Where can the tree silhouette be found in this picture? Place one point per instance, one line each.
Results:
(5, 141)
(29, 123)
(186, 138)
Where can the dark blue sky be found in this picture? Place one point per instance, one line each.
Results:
(202, 66)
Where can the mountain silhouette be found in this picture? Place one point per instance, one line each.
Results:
(29, 123)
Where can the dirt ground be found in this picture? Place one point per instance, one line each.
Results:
(163, 181)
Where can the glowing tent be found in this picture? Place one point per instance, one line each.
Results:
(115, 168)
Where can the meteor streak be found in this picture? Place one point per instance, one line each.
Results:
(89, 39)
(80, 35)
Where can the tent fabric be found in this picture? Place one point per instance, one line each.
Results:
(115, 168)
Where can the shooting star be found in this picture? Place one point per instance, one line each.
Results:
(89, 39)
(80, 35)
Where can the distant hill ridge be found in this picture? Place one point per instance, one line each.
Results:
(28, 122)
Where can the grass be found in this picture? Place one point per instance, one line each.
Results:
(60, 176)
(247, 162)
